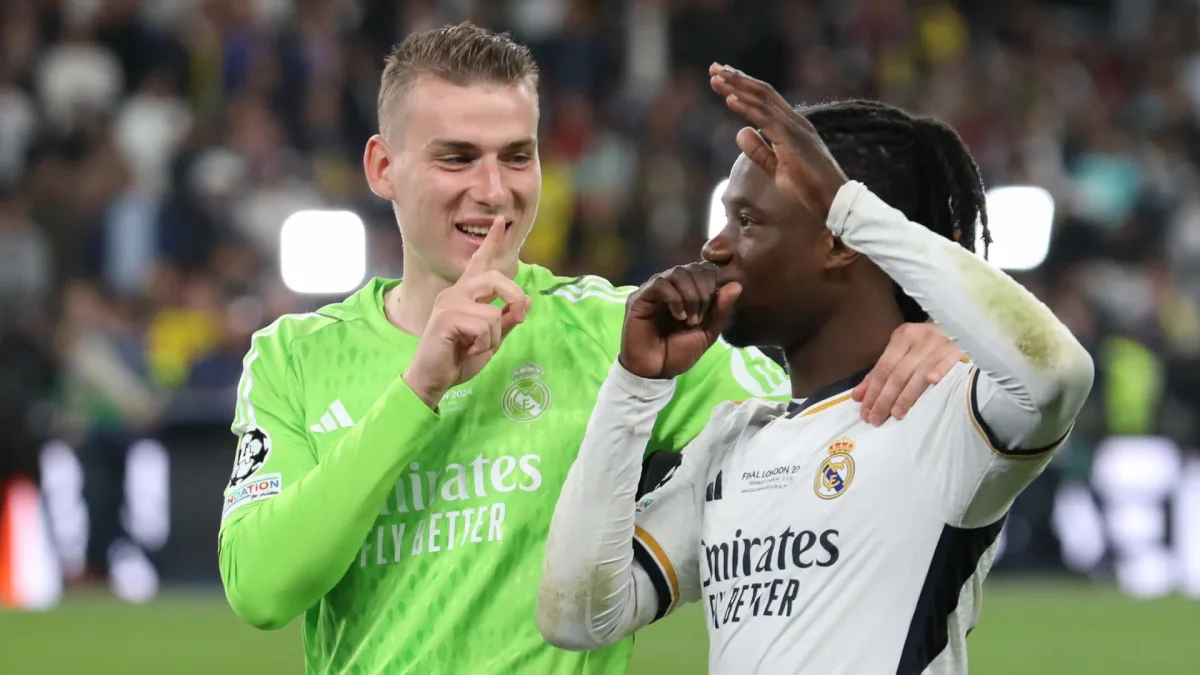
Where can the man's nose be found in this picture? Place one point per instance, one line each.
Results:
(490, 188)
(717, 250)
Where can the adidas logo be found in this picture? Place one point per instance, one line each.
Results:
(712, 492)
(334, 418)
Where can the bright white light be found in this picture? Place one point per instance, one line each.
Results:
(323, 252)
(1020, 218)
(716, 210)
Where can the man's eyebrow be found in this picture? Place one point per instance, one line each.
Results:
(522, 144)
(467, 146)
(451, 144)
(737, 202)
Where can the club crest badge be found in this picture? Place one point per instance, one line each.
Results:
(836, 471)
(528, 397)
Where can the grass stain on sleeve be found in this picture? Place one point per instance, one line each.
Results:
(1032, 327)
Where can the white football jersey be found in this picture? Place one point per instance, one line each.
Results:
(821, 544)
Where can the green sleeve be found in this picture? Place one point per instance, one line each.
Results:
(723, 374)
(273, 564)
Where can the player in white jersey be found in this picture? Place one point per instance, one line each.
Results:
(817, 541)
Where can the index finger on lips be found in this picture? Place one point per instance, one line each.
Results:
(705, 274)
(487, 255)
(662, 292)
(686, 283)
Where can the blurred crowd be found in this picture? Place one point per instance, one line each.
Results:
(151, 149)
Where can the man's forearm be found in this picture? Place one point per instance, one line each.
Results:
(1015, 340)
(284, 554)
(589, 594)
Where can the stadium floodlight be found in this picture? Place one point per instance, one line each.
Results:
(1020, 218)
(716, 210)
(323, 252)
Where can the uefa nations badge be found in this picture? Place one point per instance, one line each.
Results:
(837, 471)
(528, 397)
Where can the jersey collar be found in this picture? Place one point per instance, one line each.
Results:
(827, 392)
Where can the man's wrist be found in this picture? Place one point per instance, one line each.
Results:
(643, 388)
(427, 396)
(841, 207)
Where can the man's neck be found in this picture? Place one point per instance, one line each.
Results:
(408, 305)
(849, 342)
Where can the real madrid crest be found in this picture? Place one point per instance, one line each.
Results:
(528, 396)
(837, 471)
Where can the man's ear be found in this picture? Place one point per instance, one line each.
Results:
(840, 256)
(377, 164)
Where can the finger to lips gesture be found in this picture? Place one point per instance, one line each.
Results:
(465, 329)
(482, 282)
(672, 320)
(786, 145)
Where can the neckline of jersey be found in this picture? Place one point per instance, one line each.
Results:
(378, 316)
(829, 391)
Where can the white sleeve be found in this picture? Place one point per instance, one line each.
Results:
(1031, 376)
(594, 590)
(666, 533)
(1040, 372)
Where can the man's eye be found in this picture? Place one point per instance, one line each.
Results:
(744, 221)
(458, 160)
(519, 160)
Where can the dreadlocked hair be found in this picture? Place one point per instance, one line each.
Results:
(918, 165)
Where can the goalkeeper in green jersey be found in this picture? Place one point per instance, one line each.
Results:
(397, 470)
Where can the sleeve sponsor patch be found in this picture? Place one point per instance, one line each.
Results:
(262, 487)
(253, 449)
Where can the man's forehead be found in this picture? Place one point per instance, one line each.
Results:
(481, 114)
(748, 183)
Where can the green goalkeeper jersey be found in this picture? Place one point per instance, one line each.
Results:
(412, 539)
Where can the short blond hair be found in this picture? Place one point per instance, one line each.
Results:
(462, 54)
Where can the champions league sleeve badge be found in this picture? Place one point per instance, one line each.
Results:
(253, 450)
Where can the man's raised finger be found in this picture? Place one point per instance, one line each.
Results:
(705, 276)
(685, 282)
(757, 113)
(751, 87)
(487, 255)
(753, 146)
